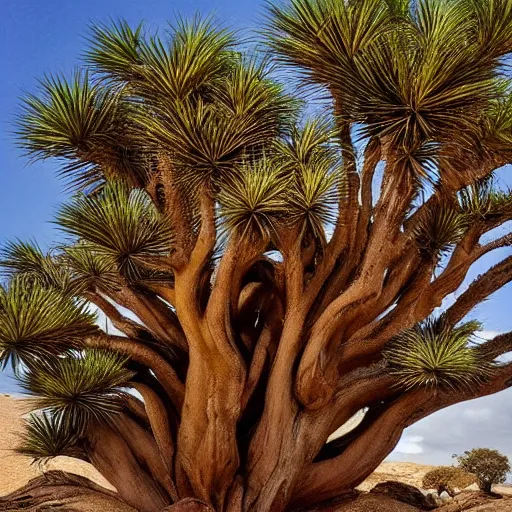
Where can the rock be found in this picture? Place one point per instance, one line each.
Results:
(445, 497)
(371, 503)
(406, 494)
(474, 500)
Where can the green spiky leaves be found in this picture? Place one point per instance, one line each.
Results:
(482, 200)
(198, 94)
(27, 260)
(243, 113)
(254, 199)
(91, 271)
(434, 355)
(82, 387)
(119, 224)
(392, 69)
(68, 118)
(75, 120)
(36, 322)
(311, 159)
(47, 436)
(295, 185)
(195, 55)
(439, 229)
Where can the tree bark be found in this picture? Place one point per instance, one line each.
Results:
(60, 490)
(113, 458)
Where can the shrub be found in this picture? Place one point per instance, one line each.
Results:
(489, 466)
(448, 479)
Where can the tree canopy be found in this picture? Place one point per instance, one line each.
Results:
(279, 237)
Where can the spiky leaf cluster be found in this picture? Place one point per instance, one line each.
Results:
(90, 270)
(392, 68)
(82, 387)
(253, 200)
(439, 229)
(484, 201)
(81, 123)
(199, 94)
(311, 158)
(46, 436)
(36, 322)
(118, 224)
(296, 184)
(27, 260)
(435, 355)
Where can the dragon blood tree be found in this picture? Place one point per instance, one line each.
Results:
(266, 273)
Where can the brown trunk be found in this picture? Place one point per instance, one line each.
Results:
(146, 451)
(112, 457)
(189, 505)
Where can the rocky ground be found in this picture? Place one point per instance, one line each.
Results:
(16, 471)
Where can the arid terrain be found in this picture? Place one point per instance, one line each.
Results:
(16, 470)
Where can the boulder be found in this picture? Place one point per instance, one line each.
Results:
(371, 503)
(445, 497)
(469, 500)
(405, 493)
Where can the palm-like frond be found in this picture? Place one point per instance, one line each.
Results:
(494, 25)
(114, 51)
(311, 159)
(439, 229)
(195, 55)
(121, 224)
(26, 259)
(497, 129)
(90, 270)
(322, 37)
(394, 73)
(244, 112)
(313, 197)
(47, 436)
(36, 322)
(75, 121)
(253, 199)
(433, 354)
(82, 387)
(482, 200)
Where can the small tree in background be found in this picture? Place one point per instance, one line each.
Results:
(489, 466)
(447, 478)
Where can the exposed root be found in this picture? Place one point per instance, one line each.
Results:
(57, 490)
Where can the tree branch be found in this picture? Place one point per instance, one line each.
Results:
(496, 347)
(128, 327)
(324, 480)
(486, 284)
(163, 371)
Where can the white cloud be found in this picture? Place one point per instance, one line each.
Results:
(410, 444)
(477, 415)
(488, 335)
(484, 422)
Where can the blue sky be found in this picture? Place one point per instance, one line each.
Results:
(48, 36)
